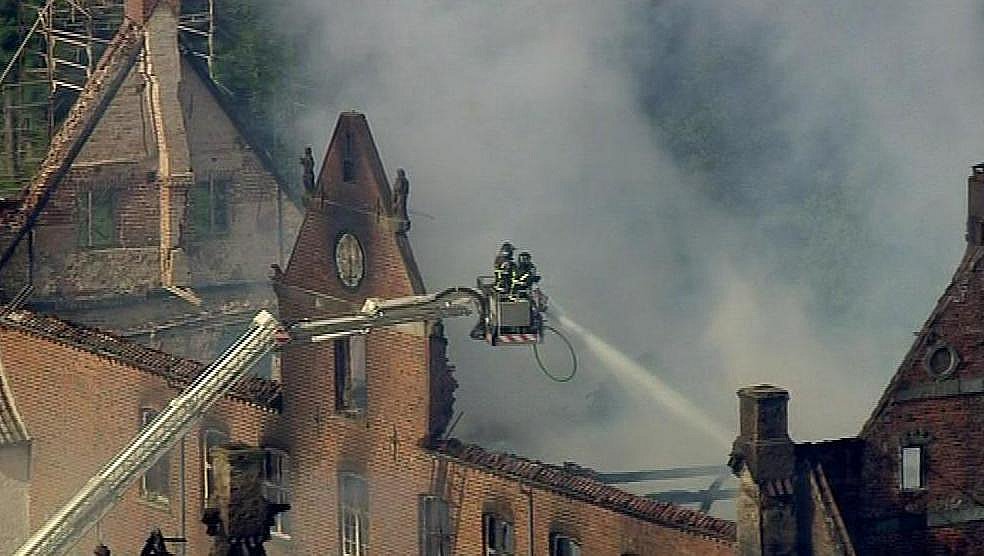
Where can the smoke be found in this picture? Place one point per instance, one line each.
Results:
(730, 193)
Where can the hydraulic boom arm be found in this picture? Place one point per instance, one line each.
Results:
(64, 529)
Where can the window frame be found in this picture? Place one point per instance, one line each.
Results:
(921, 468)
(163, 466)
(556, 538)
(488, 521)
(356, 508)
(84, 204)
(351, 395)
(277, 489)
(207, 465)
(214, 192)
(444, 532)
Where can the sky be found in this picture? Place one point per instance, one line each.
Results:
(717, 194)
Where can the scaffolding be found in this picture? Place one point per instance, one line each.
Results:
(61, 44)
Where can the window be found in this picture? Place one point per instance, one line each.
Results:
(210, 440)
(350, 373)
(354, 515)
(276, 487)
(435, 527)
(156, 482)
(498, 536)
(913, 474)
(208, 208)
(348, 164)
(562, 545)
(97, 218)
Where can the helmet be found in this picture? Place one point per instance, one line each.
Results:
(506, 249)
(525, 257)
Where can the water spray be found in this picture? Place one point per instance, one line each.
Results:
(630, 371)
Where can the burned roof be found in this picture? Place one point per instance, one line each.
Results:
(176, 370)
(581, 486)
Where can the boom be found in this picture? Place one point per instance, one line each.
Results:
(64, 529)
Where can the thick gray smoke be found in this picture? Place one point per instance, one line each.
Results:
(727, 192)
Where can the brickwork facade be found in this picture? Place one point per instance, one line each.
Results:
(910, 482)
(165, 191)
(412, 488)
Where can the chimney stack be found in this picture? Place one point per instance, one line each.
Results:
(763, 458)
(975, 205)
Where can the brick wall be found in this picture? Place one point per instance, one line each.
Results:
(80, 409)
(122, 154)
(940, 408)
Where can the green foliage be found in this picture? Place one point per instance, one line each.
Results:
(253, 61)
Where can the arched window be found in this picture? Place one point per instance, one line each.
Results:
(563, 545)
(498, 535)
(353, 514)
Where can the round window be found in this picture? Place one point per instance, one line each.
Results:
(941, 360)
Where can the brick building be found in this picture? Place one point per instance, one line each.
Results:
(354, 432)
(153, 215)
(910, 482)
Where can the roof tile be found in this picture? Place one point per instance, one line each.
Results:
(584, 488)
(252, 390)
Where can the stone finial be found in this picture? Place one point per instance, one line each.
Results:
(307, 162)
(401, 193)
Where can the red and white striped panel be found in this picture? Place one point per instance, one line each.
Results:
(518, 338)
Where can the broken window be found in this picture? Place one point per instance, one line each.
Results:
(276, 487)
(210, 440)
(350, 373)
(348, 162)
(435, 526)
(155, 485)
(913, 472)
(562, 545)
(208, 208)
(354, 515)
(97, 218)
(497, 535)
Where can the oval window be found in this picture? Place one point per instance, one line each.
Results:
(941, 360)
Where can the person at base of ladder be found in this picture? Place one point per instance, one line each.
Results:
(505, 268)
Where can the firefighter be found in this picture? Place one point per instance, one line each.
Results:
(505, 267)
(524, 276)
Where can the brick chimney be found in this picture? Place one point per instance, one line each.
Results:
(975, 205)
(764, 461)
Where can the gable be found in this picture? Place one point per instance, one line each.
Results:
(352, 197)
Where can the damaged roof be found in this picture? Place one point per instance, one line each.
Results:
(587, 489)
(176, 370)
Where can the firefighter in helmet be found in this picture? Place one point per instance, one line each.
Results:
(505, 267)
(524, 276)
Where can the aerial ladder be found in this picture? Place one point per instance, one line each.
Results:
(98, 496)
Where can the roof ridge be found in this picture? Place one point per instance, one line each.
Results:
(253, 390)
(584, 487)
